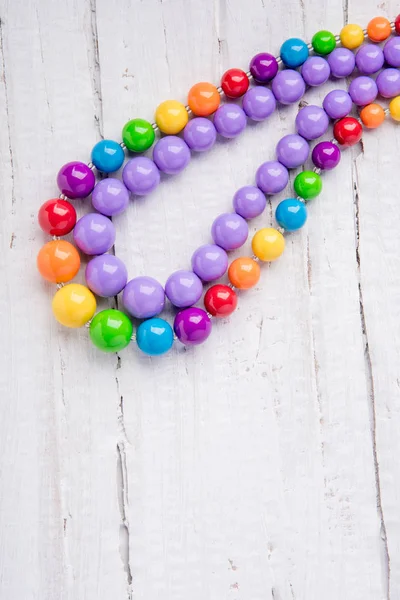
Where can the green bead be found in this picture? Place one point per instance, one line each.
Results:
(111, 330)
(138, 135)
(307, 184)
(323, 42)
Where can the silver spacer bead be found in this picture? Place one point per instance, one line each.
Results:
(189, 110)
(60, 285)
(91, 166)
(154, 126)
(365, 33)
(317, 170)
(300, 199)
(88, 323)
(56, 237)
(255, 258)
(63, 197)
(334, 141)
(337, 38)
(310, 46)
(278, 60)
(387, 112)
(230, 285)
(209, 315)
(133, 337)
(249, 75)
(122, 145)
(281, 230)
(220, 91)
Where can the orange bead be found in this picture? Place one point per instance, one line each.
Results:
(372, 115)
(379, 29)
(58, 261)
(203, 99)
(244, 273)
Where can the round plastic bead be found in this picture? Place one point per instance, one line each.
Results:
(307, 185)
(263, 67)
(143, 297)
(229, 231)
(210, 262)
(341, 62)
(230, 120)
(311, 122)
(292, 151)
(315, 71)
(337, 104)
(294, 52)
(388, 82)
(107, 156)
(200, 134)
(171, 116)
(291, 214)
(58, 261)
(244, 273)
(154, 337)
(259, 103)
(323, 42)
(394, 108)
(94, 234)
(347, 131)
(192, 326)
(397, 25)
(326, 155)
(57, 217)
(391, 52)
(363, 90)
(234, 83)
(268, 244)
(378, 29)
(138, 135)
(141, 175)
(272, 177)
(249, 202)
(183, 288)
(73, 305)
(369, 59)
(171, 154)
(106, 275)
(288, 86)
(220, 300)
(351, 36)
(372, 116)
(111, 330)
(203, 99)
(110, 197)
(75, 180)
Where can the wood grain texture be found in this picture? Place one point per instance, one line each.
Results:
(262, 465)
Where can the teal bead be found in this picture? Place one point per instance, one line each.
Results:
(154, 336)
(107, 156)
(291, 214)
(294, 52)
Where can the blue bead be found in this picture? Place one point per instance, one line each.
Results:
(294, 52)
(291, 214)
(107, 156)
(154, 336)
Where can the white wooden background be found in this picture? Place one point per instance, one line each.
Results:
(263, 465)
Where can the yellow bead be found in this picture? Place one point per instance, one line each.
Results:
(171, 116)
(351, 36)
(268, 244)
(74, 305)
(394, 108)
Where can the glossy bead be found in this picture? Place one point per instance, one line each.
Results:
(106, 275)
(200, 134)
(372, 116)
(292, 151)
(230, 120)
(234, 83)
(307, 185)
(337, 104)
(111, 330)
(397, 25)
(363, 90)
(171, 116)
(75, 180)
(272, 177)
(341, 62)
(192, 326)
(294, 52)
(229, 231)
(351, 36)
(388, 82)
(107, 156)
(94, 234)
(244, 273)
(288, 86)
(263, 67)
(220, 300)
(291, 214)
(268, 244)
(203, 99)
(315, 71)
(209, 262)
(394, 108)
(171, 154)
(154, 337)
(57, 217)
(249, 202)
(110, 197)
(326, 155)
(58, 261)
(378, 29)
(323, 42)
(391, 52)
(183, 288)
(73, 305)
(143, 297)
(311, 122)
(369, 59)
(138, 135)
(141, 175)
(347, 131)
(259, 103)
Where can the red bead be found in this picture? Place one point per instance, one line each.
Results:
(397, 25)
(57, 217)
(347, 131)
(220, 300)
(235, 83)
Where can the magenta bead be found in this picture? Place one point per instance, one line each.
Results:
(249, 202)
(326, 155)
(369, 59)
(292, 151)
(110, 197)
(230, 120)
(391, 51)
(106, 275)
(143, 297)
(288, 86)
(388, 82)
(171, 154)
(259, 103)
(272, 177)
(141, 175)
(209, 262)
(75, 180)
(311, 122)
(337, 104)
(94, 234)
(363, 90)
(341, 62)
(229, 231)
(200, 134)
(263, 67)
(183, 288)
(315, 71)
(192, 326)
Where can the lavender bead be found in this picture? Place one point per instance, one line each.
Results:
(363, 90)
(209, 262)
(315, 71)
(183, 288)
(192, 326)
(229, 231)
(106, 275)
(341, 62)
(288, 86)
(249, 202)
(272, 177)
(259, 103)
(292, 151)
(171, 154)
(75, 180)
(230, 120)
(388, 82)
(326, 156)
(94, 234)
(263, 67)
(143, 297)
(140, 175)
(337, 104)
(369, 59)
(391, 51)
(312, 122)
(200, 134)
(110, 197)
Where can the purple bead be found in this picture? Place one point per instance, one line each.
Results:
(230, 120)
(183, 288)
(249, 202)
(171, 154)
(200, 134)
(272, 177)
(229, 231)
(315, 71)
(312, 122)
(143, 297)
(369, 59)
(391, 51)
(288, 86)
(263, 67)
(141, 175)
(94, 234)
(341, 62)
(326, 156)
(110, 197)
(388, 82)
(209, 262)
(337, 104)
(363, 90)
(292, 151)
(259, 103)
(192, 326)
(106, 275)
(75, 180)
